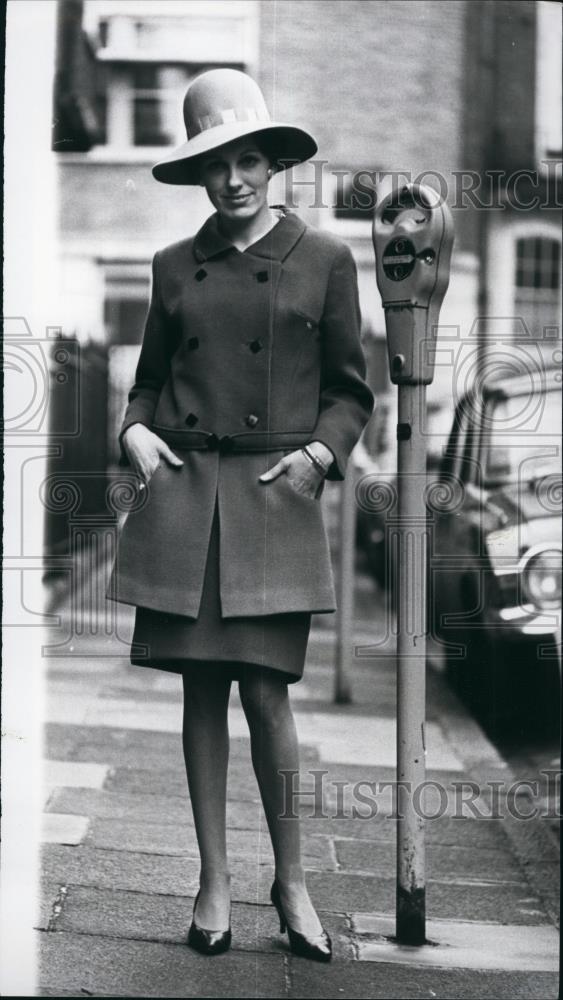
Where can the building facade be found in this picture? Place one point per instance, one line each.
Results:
(446, 93)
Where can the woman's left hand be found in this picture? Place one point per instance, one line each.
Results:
(303, 476)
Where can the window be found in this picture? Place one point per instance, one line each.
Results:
(538, 285)
(148, 53)
(140, 103)
(354, 194)
(126, 301)
(155, 104)
(515, 449)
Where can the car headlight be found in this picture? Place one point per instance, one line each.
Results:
(541, 576)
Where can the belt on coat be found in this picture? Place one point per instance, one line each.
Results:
(253, 441)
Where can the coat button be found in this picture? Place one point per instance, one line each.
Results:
(201, 274)
(191, 419)
(193, 343)
(251, 420)
(255, 346)
(261, 276)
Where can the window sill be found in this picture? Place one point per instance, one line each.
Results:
(111, 154)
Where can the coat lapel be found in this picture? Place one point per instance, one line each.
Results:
(276, 245)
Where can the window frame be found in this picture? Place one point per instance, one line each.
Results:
(533, 295)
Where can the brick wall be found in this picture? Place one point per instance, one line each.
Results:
(106, 202)
(515, 90)
(379, 83)
(499, 90)
(499, 87)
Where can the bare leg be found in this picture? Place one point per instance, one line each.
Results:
(206, 753)
(274, 748)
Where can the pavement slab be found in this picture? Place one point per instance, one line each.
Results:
(390, 981)
(72, 774)
(63, 828)
(454, 900)
(149, 917)
(120, 870)
(339, 892)
(104, 744)
(342, 736)
(158, 838)
(86, 709)
(463, 863)
(172, 781)
(120, 967)
(347, 737)
(461, 945)
(111, 805)
(446, 830)
(246, 815)
(148, 781)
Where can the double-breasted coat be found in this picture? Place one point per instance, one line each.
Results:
(242, 352)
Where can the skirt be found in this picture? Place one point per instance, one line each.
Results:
(228, 646)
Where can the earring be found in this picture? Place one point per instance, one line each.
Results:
(270, 171)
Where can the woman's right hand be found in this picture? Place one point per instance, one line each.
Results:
(144, 449)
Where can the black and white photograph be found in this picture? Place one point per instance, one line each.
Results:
(282, 495)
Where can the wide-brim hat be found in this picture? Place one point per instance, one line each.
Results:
(223, 105)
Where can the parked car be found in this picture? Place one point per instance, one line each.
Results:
(377, 492)
(495, 565)
(494, 518)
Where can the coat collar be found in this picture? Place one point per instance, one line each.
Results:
(275, 245)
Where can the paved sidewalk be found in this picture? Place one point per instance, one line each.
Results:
(120, 867)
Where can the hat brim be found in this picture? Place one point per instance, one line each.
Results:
(290, 145)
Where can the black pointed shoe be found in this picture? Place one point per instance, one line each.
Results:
(319, 948)
(205, 941)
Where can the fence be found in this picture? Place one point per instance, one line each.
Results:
(78, 434)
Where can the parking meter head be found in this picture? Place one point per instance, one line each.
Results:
(413, 239)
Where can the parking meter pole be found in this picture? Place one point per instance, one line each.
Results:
(411, 666)
(413, 239)
(345, 577)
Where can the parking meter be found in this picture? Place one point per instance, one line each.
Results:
(413, 238)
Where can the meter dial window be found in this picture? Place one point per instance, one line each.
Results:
(399, 259)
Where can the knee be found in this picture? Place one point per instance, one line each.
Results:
(265, 705)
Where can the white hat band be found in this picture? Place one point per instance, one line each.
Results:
(226, 117)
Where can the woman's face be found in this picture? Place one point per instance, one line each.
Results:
(236, 177)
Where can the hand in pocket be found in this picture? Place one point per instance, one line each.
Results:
(145, 450)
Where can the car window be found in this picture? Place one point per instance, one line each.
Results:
(453, 451)
(521, 438)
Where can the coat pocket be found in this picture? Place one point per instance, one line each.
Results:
(147, 483)
(307, 319)
(302, 496)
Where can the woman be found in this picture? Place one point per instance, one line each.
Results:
(249, 392)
